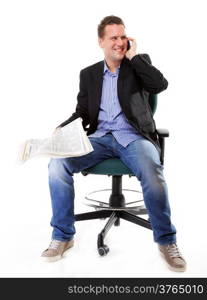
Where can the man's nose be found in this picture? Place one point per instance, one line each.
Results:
(120, 42)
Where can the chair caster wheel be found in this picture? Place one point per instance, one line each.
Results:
(103, 250)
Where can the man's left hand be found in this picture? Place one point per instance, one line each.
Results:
(132, 50)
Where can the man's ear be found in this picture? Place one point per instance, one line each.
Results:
(100, 42)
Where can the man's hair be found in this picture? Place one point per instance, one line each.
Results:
(109, 20)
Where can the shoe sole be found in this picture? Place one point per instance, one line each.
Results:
(170, 267)
(55, 258)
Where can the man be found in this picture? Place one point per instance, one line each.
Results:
(113, 104)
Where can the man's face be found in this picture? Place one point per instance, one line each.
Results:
(114, 42)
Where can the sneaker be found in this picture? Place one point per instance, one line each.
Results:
(56, 250)
(173, 257)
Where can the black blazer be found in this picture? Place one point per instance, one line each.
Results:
(137, 79)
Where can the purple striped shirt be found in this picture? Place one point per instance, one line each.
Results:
(111, 117)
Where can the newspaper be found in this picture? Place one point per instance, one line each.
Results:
(68, 141)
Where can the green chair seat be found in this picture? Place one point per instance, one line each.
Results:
(111, 166)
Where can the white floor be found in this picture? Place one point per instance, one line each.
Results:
(25, 230)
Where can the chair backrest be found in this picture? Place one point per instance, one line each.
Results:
(153, 102)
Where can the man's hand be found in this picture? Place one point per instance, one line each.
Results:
(132, 50)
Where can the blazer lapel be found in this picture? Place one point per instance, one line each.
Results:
(97, 87)
(121, 83)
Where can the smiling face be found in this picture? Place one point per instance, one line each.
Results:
(114, 43)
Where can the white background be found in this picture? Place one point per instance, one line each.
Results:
(44, 45)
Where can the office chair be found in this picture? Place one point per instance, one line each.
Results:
(116, 207)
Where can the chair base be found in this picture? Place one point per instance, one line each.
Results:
(114, 219)
(115, 210)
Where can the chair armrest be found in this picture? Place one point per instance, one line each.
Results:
(162, 134)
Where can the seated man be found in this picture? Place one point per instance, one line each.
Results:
(113, 104)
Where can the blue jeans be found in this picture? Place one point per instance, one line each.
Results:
(140, 156)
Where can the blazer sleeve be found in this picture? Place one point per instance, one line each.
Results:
(82, 105)
(152, 79)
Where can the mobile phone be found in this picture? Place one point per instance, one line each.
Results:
(128, 45)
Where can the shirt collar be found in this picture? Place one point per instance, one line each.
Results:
(106, 69)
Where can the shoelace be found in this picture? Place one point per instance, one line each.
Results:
(174, 251)
(54, 244)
